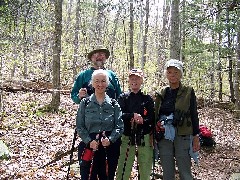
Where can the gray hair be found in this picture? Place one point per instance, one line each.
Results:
(100, 71)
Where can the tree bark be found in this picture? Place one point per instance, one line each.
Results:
(55, 103)
(76, 40)
(144, 52)
(131, 29)
(229, 58)
(113, 35)
(237, 90)
(100, 22)
(175, 32)
(219, 64)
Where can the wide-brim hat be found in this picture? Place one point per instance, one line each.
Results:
(98, 49)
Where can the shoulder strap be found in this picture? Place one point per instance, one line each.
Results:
(87, 101)
(158, 99)
(113, 101)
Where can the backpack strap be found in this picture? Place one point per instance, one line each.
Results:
(113, 102)
(87, 101)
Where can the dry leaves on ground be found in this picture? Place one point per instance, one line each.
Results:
(37, 138)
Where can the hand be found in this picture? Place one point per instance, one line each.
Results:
(196, 143)
(82, 93)
(138, 118)
(105, 142)
(94, 145)
(159, 127)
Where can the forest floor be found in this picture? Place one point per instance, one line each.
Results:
(36, 138)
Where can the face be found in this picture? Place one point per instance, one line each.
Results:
(135, 83)
(99, 83)
(98, 59)
(173, 75)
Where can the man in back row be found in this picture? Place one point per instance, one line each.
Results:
(82, 87)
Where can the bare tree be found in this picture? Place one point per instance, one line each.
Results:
(162, 38)
(100, 22)
(76, 40)
(219, 64)
(26, 12)
(113, 35)
(229, 57)
(55, 103)
(175, 33)
(131, 29)
(144, 52)
(237, 78)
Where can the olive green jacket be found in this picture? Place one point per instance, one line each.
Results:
(182, 109)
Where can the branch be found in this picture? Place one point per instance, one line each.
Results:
(59, 156)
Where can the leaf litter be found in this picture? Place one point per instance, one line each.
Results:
(35, 139)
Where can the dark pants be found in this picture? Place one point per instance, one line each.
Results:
(99, 162)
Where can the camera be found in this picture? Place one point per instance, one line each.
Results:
(137, 138)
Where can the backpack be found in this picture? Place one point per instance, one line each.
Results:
(206, 137)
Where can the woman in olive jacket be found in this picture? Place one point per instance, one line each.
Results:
(177, 124)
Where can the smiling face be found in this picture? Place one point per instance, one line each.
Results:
(98, 59)
(100, 83)
(135, 83)
(173, 75)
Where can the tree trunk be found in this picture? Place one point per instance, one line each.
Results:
(25, 39)
(219, 65)
(162, 39)
(175, 33)
(56, 56)
(144, 52)
(113, 35)
(237, 91)
(183, 30)
(1, 91)
(76, 40)
(229, 58)
(131, 29)
(100, 22)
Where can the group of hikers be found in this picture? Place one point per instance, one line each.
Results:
(118, 128)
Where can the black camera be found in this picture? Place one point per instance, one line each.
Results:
(137, 138)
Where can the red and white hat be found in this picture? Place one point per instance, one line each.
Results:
(137, 72)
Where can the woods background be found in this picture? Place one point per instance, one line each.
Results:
(47, 41)
(43, 46)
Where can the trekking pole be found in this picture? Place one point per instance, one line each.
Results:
(126, 157)
(136, 149)
(106, 160)
(72, 149)
(153, 144)
(127, 151)
(91, 167)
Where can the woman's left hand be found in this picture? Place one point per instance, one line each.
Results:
(105, 142)
(138, 118)
(196, 143)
